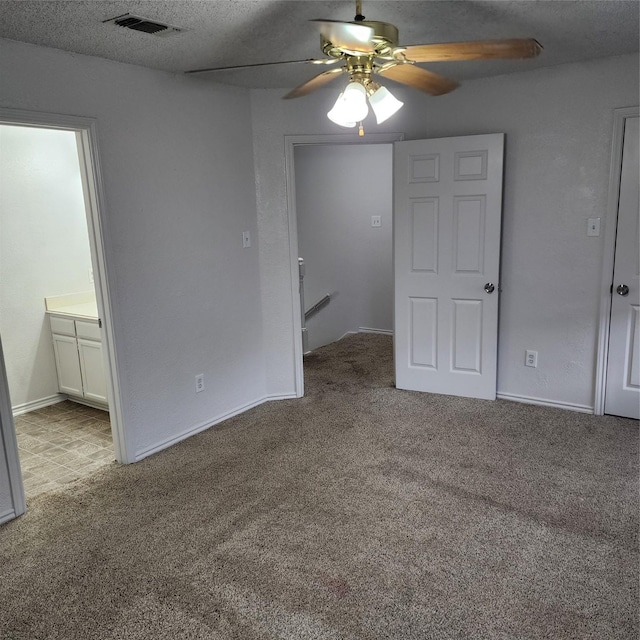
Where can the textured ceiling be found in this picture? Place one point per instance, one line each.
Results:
(228, 32)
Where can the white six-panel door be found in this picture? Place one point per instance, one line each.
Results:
(622, 395)
(447, 217)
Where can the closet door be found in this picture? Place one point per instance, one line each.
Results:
(622, 395)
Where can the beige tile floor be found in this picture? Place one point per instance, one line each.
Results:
(61, 443)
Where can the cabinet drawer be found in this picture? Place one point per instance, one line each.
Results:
(89, 330)
(62, 326)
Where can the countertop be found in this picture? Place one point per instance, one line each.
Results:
(78, 305)
(87, 310)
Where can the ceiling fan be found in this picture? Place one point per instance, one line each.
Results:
(366, 49)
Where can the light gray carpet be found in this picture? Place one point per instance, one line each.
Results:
(358, 512)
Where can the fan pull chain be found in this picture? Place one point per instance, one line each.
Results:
(361, 130)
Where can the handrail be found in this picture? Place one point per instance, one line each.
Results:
(305, 315)
(317, 306)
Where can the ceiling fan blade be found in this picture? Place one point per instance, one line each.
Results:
(264, 64)
(347, 35)
(480, 50)
(316, 82)
(418, 78)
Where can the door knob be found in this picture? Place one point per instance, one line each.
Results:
(490, 287)
(622, 290)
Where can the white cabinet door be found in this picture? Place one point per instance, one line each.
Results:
(622, 396)
(447, 216)
(92, 368)
(67, 364)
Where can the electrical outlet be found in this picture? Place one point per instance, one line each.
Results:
(376, 221)
(200, 382)
(246, 239)
(530, 358)
(90, 276)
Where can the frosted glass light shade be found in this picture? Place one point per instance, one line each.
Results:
(384, 104)
(355, 102)
(338, 115)
(351, 106)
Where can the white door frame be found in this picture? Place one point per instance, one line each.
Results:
(290, 142)
(85, 130)
(619, 118)
(9, 445)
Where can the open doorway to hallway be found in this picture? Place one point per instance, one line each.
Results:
(344, 227)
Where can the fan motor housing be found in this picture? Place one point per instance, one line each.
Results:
(385, 40)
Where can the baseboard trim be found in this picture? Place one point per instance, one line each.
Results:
(203, 426)
(5, 516)
(580, 408)
(89, 403)
(384, 332)
(281, 396)
(19, 409)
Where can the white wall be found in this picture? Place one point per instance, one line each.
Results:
(344, 255)
(177, 164)
(44, 250)
(558, 123)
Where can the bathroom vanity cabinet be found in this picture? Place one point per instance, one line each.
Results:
(77, 345)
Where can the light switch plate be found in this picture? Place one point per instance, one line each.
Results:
(593, 227)
(246, 239)
(376, 221)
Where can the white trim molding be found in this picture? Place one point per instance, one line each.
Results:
(19, 409)
(384, 332)
(203, 426)
(5, 516)
(611, 222)
(89, 156)
(9, 449)
(542, 402)
(290, 142)
(280, 396)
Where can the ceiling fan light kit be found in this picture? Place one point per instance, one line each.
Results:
(368, 49)
(351, 106)
(384, 104)
(339, 115)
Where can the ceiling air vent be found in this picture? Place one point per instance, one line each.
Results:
(138, 23)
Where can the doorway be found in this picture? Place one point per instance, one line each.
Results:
(345, 239)
(469, 229)
(351, 306)
(47, 271)
(89, 263)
